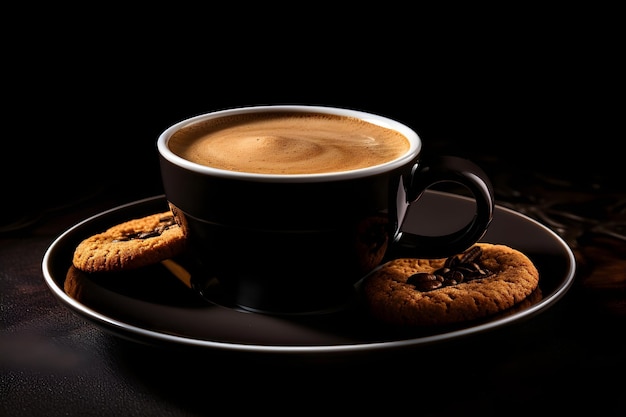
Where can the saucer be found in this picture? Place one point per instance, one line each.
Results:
(151, 305)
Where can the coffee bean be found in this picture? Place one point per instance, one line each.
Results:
(166, 223)
(423, 281)
(455, 271)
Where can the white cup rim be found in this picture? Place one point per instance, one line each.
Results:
(410, 134)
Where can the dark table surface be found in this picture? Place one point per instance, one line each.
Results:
(569, 357)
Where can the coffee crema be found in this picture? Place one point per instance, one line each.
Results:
(288, 143)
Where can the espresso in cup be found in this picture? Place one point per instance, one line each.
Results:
(288, 143)
(288, 207)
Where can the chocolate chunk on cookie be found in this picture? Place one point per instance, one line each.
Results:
(131, 245)
(485, 280)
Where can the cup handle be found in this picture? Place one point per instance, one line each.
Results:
(456, 170)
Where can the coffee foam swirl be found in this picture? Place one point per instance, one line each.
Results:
(288, 143)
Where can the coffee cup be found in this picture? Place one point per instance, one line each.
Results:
(288, 207)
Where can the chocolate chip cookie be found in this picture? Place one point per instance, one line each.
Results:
(486, 279)
(130, 245)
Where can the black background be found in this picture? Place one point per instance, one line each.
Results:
(86, 103)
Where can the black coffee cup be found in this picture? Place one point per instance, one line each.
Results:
(297, 243)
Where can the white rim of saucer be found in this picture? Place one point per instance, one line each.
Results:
(410, 134)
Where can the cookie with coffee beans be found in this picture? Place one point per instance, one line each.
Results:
(130, 245)
(484, 280)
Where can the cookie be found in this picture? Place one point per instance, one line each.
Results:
(74, 285)
(407, 292)
(130, 245)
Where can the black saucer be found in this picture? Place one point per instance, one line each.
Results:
(151, 305)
